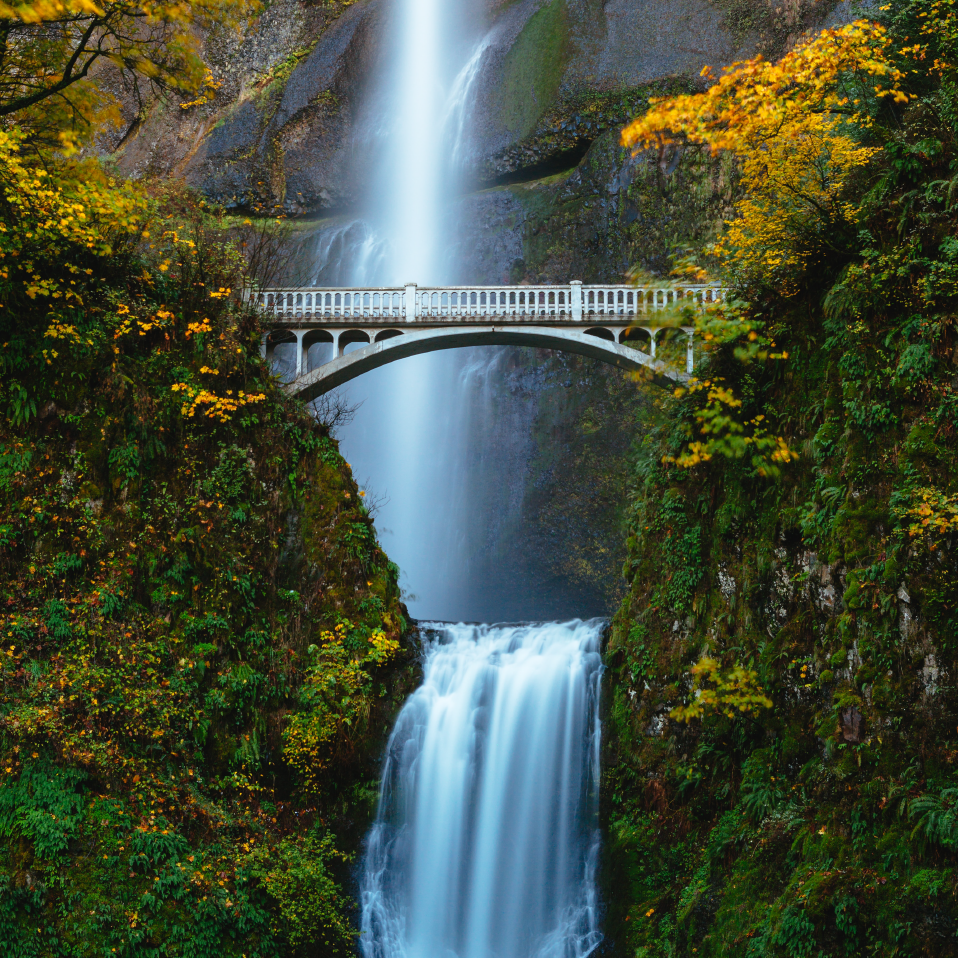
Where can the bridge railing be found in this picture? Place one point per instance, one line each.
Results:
(574, 301)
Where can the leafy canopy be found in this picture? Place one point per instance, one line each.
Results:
(54, 52)
(795, 127)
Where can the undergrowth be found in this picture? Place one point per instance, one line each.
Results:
(201, 634)
(824, 824)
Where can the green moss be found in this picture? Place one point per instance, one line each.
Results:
(533, 68)
(170, 628)
(825, 825)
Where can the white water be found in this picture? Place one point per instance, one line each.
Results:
(485, 842)
(411, 434)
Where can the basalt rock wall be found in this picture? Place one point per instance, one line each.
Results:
(282, 124)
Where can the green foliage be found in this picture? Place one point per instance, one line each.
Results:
(728, 691)
(311, 905)
(824, 824)
(175, 533)
(42, 807)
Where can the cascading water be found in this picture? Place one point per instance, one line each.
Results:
(412, 429)
(485, 842)
(486, 839)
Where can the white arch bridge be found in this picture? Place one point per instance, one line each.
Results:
(341, 333)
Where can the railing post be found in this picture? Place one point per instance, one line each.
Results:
(412, 310)
(575, 300)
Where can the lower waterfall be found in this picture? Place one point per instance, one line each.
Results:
(486, 839)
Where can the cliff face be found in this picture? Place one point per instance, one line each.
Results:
(282, 125)
(204, 644)
(780, 773)
(278, 128)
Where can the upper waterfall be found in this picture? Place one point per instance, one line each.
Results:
(415, 458)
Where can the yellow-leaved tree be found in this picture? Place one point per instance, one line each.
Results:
(799, 130)
(52, 53)
(796, 129)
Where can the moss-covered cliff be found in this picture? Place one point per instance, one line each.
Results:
(201, 635)
(824, 823)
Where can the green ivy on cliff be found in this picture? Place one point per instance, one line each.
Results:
(187, 572)
(825, 824)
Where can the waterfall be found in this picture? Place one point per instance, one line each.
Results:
(485, 841)
(410, 438)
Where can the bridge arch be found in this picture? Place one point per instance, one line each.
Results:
(314, 383)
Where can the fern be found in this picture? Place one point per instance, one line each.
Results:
(937, 817)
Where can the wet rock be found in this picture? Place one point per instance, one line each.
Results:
(284, 128)
(279, 132)
(852, 725)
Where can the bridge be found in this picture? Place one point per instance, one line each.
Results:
(341, 333)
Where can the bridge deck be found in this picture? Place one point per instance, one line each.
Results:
(571, 303)
(340, 333)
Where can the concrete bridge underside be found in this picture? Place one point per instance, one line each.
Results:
(314, 383)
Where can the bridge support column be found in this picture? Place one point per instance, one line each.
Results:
(689, 365)
(262, 345)
(300, 354)
(652, 333)
(412, 306)
(575, 300)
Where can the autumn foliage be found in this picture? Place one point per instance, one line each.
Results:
(795, 127)
(54, 55)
